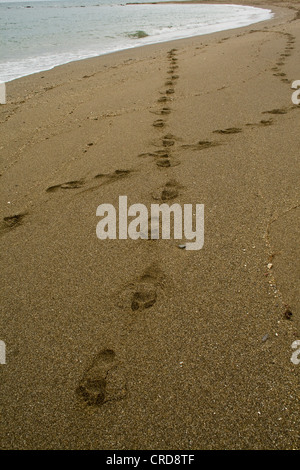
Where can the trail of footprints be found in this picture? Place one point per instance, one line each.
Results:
(282, 58)
(105, 379)
(98, 386)
(103, 178)
(163, 157)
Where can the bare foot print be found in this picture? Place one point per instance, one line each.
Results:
(169, 140)
(230, 130)
(144, 293)
(103, 381)
(10, 222)
(167, 163)
(159, 123)
(263, 123)
(276, 111)
(111, 177)
(69, 185)
(201, 145)
(168, 192)
(157, 153)
(163, 99)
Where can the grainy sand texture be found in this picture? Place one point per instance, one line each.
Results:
(138, 344)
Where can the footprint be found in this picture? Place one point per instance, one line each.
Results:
(172, 51)
(12, 221)
(168, 192)
(144, 294)
(170, 91)
(201, 145)
(100, 175)
(266, 122)
(163, 99)
(163, 111)
(103, 381)
(111, 177)
(263, 122)
(230, 130)
(159, 123)
(107, 178)
(157, 153)
(166, 163)
(169, 140)
(276, 111)
(69, 185)
(144, 297)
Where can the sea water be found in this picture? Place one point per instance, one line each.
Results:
(37, 35)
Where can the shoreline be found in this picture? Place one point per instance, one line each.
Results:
(151, 44)
(140, 344)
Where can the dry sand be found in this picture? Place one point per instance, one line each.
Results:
(204, 362)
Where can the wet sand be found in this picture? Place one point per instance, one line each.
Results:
(137, 344)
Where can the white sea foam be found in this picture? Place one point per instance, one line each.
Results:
(51, 33)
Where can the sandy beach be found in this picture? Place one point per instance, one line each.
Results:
(138, 344)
